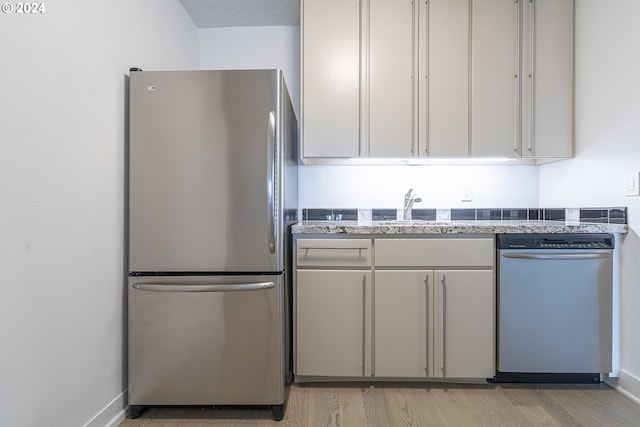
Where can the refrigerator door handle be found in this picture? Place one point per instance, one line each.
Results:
(271, 181)
(176, 287)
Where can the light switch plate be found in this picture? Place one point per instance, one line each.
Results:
(631, 181)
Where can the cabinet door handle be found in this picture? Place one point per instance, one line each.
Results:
(427, 82)
(426, 286)
(364, 319)
(518, 82)
(444, 325)
(532, 31)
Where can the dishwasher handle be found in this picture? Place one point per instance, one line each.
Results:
(562, 257)
(205, 287)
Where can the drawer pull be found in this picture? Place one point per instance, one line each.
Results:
(333, 248)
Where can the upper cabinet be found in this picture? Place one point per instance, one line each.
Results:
(495, 78)
(547, 90)
(445, 39)
(331, 83)
(437, 79)
(389, 100)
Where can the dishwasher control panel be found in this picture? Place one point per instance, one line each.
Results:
(555, 241)
(573, 245)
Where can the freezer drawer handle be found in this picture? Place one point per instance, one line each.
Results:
(558, 256)
(171, 287)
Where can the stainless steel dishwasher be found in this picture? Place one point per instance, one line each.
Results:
(554, 307)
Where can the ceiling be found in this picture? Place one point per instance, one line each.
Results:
(236, 13)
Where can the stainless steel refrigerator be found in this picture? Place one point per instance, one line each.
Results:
(212, 193)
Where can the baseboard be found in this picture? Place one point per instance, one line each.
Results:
(627, 384)
(112, 414)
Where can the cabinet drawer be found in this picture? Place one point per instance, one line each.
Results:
(454, 252)
(333, 253)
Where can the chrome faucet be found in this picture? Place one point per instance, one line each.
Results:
(409, 200)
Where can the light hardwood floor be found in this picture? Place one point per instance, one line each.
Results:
(412, 404)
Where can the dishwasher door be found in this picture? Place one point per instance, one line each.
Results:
(198, 340)
(555, 310)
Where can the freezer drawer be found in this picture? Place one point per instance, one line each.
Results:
(206, 340)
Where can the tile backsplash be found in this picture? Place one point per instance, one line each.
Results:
(612, 215)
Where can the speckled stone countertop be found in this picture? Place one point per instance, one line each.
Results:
(452, 227)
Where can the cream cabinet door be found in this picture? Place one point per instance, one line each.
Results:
(331, 322)
(464, 324)
(495, 79)
(445, 117)
(402, 324)
(392, 128)
(547, 119)
(330, 34)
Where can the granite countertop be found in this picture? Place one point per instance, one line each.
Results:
(453, 227)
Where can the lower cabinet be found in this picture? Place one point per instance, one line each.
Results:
(331, 322)
(403, 324)
(387, 316)
(464, 324)
(437, 324)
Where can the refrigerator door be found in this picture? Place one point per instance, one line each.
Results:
(206, 340)
(204, 171)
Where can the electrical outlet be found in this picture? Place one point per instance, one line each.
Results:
(631, 187)
(467, 194)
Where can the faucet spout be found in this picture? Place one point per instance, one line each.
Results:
(409, 200)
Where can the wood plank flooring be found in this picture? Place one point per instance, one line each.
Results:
(413, 404)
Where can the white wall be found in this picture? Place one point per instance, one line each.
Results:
(607, 146)
(62, 97)
(438, 186)
(234, 48)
